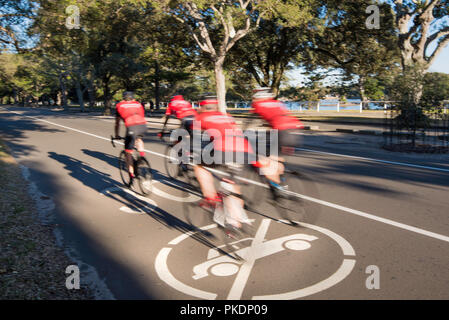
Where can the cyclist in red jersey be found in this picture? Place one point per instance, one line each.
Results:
(229, 146)
(276, 114)
(182, 110)
(133, 114)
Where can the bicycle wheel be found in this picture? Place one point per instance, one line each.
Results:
(172, 162)
(236, 239)
(144, 175)
(123, 168)
(254, 189)
(288, 203)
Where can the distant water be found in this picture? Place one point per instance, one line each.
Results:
(331, 105)
(325, 105)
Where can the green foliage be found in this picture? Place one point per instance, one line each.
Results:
(374, 89)
(435, 90)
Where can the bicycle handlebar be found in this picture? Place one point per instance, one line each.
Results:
(112, 140)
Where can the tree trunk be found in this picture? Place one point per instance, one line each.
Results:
(156, 85)
(107, 98)
(58, 99)
(362, 92)
(91, 93)
(220, 83)
(277, 77)
(79, 94)
(63, 91)
(16, 100)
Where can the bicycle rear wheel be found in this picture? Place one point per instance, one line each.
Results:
(288, 203)
(123, 168)
(144, 175)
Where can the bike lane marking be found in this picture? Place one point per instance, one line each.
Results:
(405, 164)
(242, 277)
(255, 251)
(322, 202)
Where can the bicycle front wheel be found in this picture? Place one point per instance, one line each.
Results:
(172, 162)
(144, 175)
(290, 206)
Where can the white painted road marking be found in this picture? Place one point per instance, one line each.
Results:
(376, 160)
(343, 271)
(325, 203)
(242, 277)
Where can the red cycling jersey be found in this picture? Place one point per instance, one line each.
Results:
(276, 114)
(131, 112)
(180, 108)
(223, 130)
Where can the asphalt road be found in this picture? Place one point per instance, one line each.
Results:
(379, 214)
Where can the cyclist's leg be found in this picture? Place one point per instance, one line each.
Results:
(287, 142)
(187, 124)
(206, 181)
(130, 140)
(139, 133)
(140, 146)
(234, 202)
(272, 168)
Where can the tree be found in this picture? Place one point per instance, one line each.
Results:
(347, 44)
(274, 47)
(420, 24)
(14, 17)
(435, 89)
(216, 26)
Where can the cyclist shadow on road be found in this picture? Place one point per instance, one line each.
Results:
(103, 183)
(157, 175)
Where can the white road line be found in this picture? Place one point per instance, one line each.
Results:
(242, 277)
(376, 160)
(324, 203)
(165, 274)
(342, 272)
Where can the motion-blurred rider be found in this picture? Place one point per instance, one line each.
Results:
(278, 117)
(133, 114)
(228, 144)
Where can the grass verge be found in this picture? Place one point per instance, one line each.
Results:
(32, 266)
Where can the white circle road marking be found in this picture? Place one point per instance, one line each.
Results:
(297, 245)
(160, 193)
(343, 271)
(224, 269)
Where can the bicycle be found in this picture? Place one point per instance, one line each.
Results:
(200, 213)
(287, 201)
(178, 161)
(142, 169)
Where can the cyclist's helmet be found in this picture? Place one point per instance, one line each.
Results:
(262, 93)
(177, 97)
(128, 95)
(209, 102)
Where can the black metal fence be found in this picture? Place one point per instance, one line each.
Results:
(414, 129)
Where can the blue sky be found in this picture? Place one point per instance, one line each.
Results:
(441, 64)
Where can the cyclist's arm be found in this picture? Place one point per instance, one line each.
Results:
(165, 122)
(117, 125)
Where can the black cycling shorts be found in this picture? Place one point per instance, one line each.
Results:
(187, 124)
(132, 134)
(288, 138)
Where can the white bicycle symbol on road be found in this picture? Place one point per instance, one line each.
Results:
(252, 250)
(221, 265)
